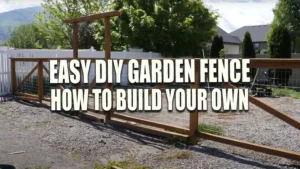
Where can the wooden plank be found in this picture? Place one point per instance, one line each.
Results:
(108, 56)
(147, 130)
(27, 77)
(40, 82)
(26, 98)
(75, 48)
(194, 115)
(26, 94)
(94, 17)
(251, 146)
(107, 38)
(75, 40)
(13, 75)
(275, 63)
(92, 85)
(151, 123)
(284, 117)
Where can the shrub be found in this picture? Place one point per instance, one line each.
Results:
(279, 46)
(216, 47)
(213, 129)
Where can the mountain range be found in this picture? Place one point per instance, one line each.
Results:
(11, 19)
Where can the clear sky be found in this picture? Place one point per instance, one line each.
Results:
(233, 13)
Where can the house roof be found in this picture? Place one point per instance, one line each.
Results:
(258, 32)
(227, 38)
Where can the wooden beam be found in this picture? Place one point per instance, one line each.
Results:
(40, 82)
(284, 117)
(147, 130)
(26, 98)
(108, 56)
(275, 63)
(27, 77)
(251, 146)
(194, 115)
(151, 123)
(13, 75)
(107, 38)
(75, 40)
(26, 94)
(92, 85)
(94, 17)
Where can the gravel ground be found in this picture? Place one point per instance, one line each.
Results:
(36, 137)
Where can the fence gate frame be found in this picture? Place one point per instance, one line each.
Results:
(190, 134)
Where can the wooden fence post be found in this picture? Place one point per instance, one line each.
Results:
(13, 75)
(108, 56)
(193, 139)
(40, 82)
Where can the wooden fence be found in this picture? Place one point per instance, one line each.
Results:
(190, 134)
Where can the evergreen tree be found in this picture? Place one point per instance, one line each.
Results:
(247, 47)
(248, 51)
(216, 47)
(279, 46)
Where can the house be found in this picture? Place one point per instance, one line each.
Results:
(258, 35)
(231, 44)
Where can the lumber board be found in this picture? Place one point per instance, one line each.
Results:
(251, 146)
(94, 17)
(151, 123)
(282, 116)
(147, 130)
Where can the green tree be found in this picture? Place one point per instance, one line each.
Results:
(27, 37)
(50, 21)
(247, 47)
(279, 46)
(248, 51)
(171, 27)
(216, 47)
(286, 13)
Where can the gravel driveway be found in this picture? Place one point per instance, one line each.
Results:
(36, 137)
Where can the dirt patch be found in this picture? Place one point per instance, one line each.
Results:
(55, 140)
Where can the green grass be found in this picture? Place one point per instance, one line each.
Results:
(129, 163)
(286, 92)
(208, 128)
(2, 112)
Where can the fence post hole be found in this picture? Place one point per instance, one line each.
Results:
(40, 82)
(193, 140)
(13, 75)
(108, 56)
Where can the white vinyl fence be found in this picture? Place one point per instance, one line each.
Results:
(5, 85)
(23, 68)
